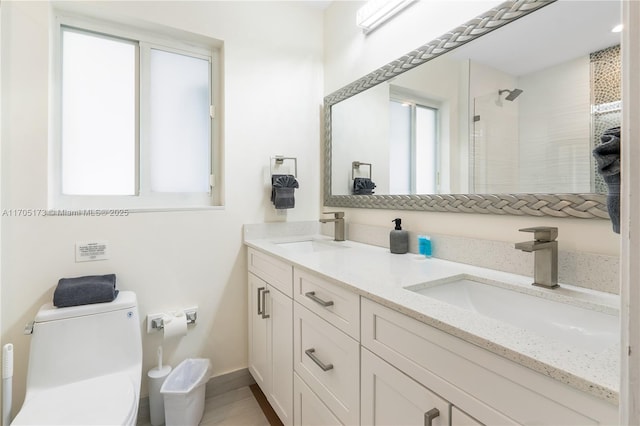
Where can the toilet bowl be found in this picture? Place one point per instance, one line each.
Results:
(85, 365)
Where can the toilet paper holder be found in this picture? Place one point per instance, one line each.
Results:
(155, 322)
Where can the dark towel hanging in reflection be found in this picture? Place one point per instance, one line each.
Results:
(607, 156)
(363, 186)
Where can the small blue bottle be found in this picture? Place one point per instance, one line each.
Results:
(424, 245)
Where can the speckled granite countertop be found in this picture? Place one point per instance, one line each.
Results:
(378, 275)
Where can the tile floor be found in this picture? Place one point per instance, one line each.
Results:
(237, 407)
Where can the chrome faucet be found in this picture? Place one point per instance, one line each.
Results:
(338, 220)
(545, 249)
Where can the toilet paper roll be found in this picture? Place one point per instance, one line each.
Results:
(175, 325)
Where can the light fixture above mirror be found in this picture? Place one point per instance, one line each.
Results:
(376, 12)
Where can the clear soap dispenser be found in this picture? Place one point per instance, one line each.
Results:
(398, 238)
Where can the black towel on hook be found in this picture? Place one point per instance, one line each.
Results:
(282, 191)
(607, 156)
(273, 188)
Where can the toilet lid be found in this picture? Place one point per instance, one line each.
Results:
(106, 400)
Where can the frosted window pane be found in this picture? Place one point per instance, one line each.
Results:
(179, 116)
(425, 150)
(98, 115)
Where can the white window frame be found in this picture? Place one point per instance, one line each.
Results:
(144, 199)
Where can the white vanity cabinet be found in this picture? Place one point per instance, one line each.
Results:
(325, 355)
(271, 332)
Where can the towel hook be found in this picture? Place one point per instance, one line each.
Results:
(355, 165)
(279, 160)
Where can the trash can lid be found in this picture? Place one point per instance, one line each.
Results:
(188, 375)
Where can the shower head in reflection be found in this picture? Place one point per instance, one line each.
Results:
(511, 95)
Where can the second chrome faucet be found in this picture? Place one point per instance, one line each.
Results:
(545, 249)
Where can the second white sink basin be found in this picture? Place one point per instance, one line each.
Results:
(311, 246)
(584, 328)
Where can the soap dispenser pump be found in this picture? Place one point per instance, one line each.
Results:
(398, 238)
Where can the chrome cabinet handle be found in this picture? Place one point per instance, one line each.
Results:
(264, 306)
(430, 415)
(260, 309)
(314, 358)
(312, 295)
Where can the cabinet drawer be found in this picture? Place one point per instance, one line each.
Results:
(274, 271)
(475, 379)
(329, 362)
(331, 302)
(308, 408)
(460, 418)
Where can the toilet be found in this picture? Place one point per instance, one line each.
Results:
(85, 365)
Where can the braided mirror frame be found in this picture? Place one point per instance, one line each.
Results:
(585, 206)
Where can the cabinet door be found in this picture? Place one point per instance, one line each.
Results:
(389, 397)
(258, 333)
(279, 309)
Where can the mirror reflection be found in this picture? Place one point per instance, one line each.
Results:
(518, 110)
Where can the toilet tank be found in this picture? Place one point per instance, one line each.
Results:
(82, 342)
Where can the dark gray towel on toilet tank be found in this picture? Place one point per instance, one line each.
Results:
(607, 156)
(85, 290)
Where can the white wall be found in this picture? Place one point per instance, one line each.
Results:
(555, 128)
(361, 133)
(349, 55)
(272, 105)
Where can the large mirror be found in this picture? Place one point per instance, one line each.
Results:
(498, 116)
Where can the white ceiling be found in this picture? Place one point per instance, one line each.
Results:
(556, 33)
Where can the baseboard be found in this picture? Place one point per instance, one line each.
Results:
(267, 409)
(215, 386)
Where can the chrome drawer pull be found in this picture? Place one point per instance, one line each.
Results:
(260, 308)
(310, 354)
(430, 415)
(312, 295)
(264, 305)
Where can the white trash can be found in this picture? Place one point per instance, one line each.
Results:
(183, 392)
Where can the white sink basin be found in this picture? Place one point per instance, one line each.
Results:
(311, 246)
(578, 326)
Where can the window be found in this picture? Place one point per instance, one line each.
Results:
(413, 148)
(99, 107)
(136, 120)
